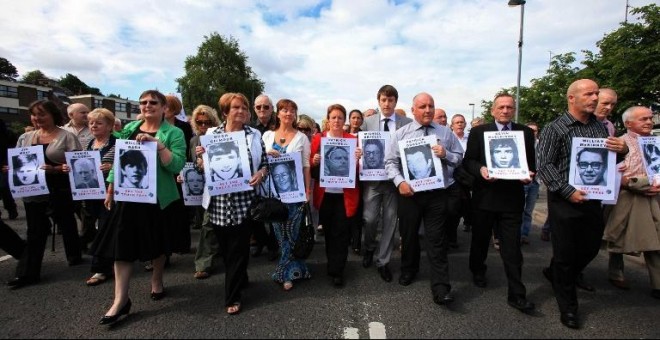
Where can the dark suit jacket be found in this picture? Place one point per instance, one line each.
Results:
(500, 195)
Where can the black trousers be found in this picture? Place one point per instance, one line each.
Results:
(430, 207)
(337, 231)
(577, 230)
(509, 226)
(235, 247)
(454, 203)
(10, 241)
(38, 228)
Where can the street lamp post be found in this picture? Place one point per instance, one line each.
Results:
(472, 104)
(520, 3)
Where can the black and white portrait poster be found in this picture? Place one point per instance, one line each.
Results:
(85, 177)
(592, 168)
(226, 163)
(421, 168)
(26, 178)
(135, 171)
(506, 157)
(374, 145)
(286, 177)
(192, 185)
(650, 147)
(338, 162)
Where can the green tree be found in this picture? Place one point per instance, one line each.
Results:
(33, 77)
(7, 70)
(219, 67)
(77, 86)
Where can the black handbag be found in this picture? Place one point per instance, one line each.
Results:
(305, 243)
(268, 209)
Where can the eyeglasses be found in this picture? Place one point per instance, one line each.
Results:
(259, 107)
(152, 102)
(203, 122)
(594, 165)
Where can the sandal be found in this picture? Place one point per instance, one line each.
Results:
(288, 285)
(96, 279)
(234, 308)
(201, 275)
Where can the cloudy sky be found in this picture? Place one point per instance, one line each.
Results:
(314, 52)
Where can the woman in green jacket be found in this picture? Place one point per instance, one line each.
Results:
(137, 231)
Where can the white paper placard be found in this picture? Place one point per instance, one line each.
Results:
(650, 146)
(135, 171)
(226, 163)
(26, 178)
(192, 185)
(286, 177)
(85, 177)
(506, 157)
(374, 145)
(421, 168)
(592, 168)
(338, 162)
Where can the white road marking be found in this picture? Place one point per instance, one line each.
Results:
(5, 258)
(377, 330)
(351, 333)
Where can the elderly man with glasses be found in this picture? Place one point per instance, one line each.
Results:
(263, 107)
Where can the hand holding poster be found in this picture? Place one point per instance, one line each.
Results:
(192, 185)
(506, 157)
(592, 168)
(26, 178)
(374, 145)
(650, 146)
(85, 176)
(286, 177)
(421, 168)
(135, 171)
(338, 162)
(226, 163)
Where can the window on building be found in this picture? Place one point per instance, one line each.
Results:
(41, 95)
(120, 107)
(8, 110)
(98, 103)
(8, 91)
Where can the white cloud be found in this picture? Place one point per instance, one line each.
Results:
(461, 51)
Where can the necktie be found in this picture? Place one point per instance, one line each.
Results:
(505, 128)
(426, 130)
(386, 122)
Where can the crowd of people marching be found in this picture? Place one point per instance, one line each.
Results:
(362, 217)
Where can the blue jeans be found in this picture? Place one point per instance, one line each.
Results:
(531, 195)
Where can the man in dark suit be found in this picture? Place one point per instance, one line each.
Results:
(381, 195)
(498, 203)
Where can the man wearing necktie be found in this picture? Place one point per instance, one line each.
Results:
(381, 195)
(427, 206)
(498, 203)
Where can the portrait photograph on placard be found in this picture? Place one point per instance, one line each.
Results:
(374, 145)
(592, 168)
(226, 163)
(338, 163)
(192, 185)
(135, 171)
(25, 176)
(420, 167)
(650, 146)
(286, 177)
(506, 157)
(85, 175)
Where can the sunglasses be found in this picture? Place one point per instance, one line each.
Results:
(203, 122)
(259, 107)
(152, 102)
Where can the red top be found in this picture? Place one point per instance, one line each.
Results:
(351, 195)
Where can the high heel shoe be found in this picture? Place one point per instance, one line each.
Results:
(110, 319)
(158, 296)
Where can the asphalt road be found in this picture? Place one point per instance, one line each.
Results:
(61, 306)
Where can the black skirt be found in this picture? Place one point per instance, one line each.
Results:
(133, 231)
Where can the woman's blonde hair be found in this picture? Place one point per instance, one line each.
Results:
(102, 114)
(206, 111)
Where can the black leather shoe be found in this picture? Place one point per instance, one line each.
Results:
(110, 319)
(75, 261)
(570, 320)
(548, 274)
(655, 293)
(522, 305)
(580, 283)
(338, 281)
(19, 282)
(158, 296)
(385, 273)
(480, 280)
(368, 259)
(445, 299)
(406, 279)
